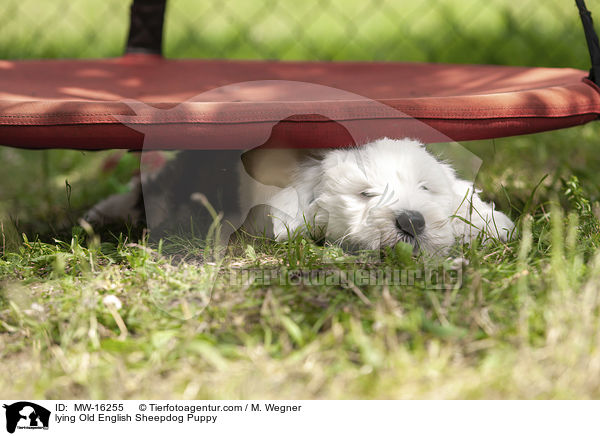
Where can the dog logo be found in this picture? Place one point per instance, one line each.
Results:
(26, 415)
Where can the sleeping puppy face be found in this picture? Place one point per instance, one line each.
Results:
(391, 191)
(384, 193)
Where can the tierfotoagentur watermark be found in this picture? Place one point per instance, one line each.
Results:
(436, 277)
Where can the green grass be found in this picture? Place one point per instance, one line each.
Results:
(522, 323)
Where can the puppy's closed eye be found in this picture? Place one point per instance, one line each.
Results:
(369, 194)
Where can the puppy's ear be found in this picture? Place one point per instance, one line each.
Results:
(275, 166)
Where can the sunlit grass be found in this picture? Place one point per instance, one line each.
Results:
(521, 324)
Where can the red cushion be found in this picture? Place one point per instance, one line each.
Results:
(94, 104)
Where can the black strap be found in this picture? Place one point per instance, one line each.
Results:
(592, 40)
(146, 28)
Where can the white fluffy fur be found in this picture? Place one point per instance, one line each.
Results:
(353, 196)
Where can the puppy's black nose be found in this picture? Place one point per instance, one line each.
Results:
(411, 222)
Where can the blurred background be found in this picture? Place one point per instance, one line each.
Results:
(529, 32)
(507, 32)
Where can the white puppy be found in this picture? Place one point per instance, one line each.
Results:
(365, 197)
(377, 195)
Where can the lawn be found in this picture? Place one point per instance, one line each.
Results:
(87, 315)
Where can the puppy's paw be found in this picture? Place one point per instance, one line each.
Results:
(500, 226)
(117, 209)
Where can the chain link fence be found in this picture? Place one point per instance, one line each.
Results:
(528, 32)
